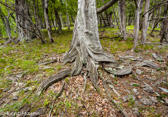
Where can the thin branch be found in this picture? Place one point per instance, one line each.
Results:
(156, 6)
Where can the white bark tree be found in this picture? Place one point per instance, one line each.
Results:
(86, 49)
(145, 22)
(136, 25)
(47, 20)
(122, 18)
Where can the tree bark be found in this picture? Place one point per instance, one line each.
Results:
(86, 50)
(5, 20)
(164, 37)
(57, 17)
(67, 14)
(136, 25)
(47, 20)
(122, 18)
(145, 22)
(35, 12)
(62, 23)
(0, 33)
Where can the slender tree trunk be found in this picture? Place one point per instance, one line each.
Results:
(136, 26)
(57, 17)
(116, 19)
(164, 37)
(47, 20)
(145, 22)
(35, 12)
(68, 21)
(0, 33)
(159, 15)
(73, 21)
(62, 23)
(86, 49)
(122, 18)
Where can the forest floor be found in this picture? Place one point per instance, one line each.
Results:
(24, 66)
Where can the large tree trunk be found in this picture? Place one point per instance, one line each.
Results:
(145, 22)
(47, 20)
(86, 50)
(136, 25)
(122, 18)
(20, 7)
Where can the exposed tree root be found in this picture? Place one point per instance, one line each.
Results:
(53, 79)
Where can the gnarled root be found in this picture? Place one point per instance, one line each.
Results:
(53, 79)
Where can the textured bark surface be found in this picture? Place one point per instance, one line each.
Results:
(47, 20)
(136, 25)
(122, 18)
(145, 22)
(55, 78)
(86, 50)
(164, 37)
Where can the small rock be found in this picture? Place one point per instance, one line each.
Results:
(137, 93)
(134, 84)
(28, 89)
(117, 88)
(166, 101)
(19, 76)
(15, 93)
(153, 99)
(147, 88)
(137, 113)
(135, 90)
(15, 98)
(135, 109)
(10, 90)
(151, 78)
(163, 89)
(146, 101)
(5, 90)
(133, 97)
(47, 67)
(125, 98)
(138, 71)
